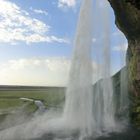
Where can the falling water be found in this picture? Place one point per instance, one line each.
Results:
(124, 100)
(108, 106)
(86, 110)
(79, 97)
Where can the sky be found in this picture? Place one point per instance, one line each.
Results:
(36, 41)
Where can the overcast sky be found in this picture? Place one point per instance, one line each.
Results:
(36, 41)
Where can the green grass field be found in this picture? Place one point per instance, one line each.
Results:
(10, 98)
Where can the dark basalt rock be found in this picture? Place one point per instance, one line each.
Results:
(127, 18)
(135, 3)
(127, 13)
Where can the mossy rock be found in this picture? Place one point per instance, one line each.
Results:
(135, 112)
(133, 68)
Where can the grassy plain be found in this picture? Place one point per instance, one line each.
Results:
(10, 97)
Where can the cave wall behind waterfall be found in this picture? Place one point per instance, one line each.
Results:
(127, 13)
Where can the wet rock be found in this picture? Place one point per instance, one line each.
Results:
(127, 13)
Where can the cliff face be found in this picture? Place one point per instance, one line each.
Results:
(127, 13)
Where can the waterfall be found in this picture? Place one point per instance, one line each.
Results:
(90, 112)
(124, 100)
(108, 106)
(78, 109)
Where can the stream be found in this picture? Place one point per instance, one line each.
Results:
(39, 104)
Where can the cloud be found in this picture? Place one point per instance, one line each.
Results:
(16, 25)
(37, 71)
(66, 3)
(35, 38)
(121, 48)
(39, 11)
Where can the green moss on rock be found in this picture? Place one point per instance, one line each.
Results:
(133, 68)
(135, 112)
